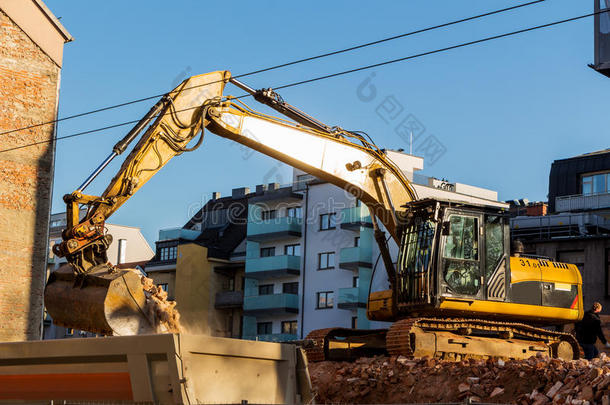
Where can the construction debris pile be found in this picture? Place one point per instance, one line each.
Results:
(538, 380)
(162, 313)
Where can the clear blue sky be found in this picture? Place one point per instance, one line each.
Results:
(504, 110)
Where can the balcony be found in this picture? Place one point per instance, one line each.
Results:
(353, 257)
(581, 202)
(229, 269)
(274, 229)
(273, 267)
(229, 299)
(271, 304)
(273, 337)
(348, 299)
(355, 217)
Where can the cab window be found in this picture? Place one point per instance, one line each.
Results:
(461, 253)
(462, 242)
(494, 243)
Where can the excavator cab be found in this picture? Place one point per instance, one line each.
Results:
(451, 251)
(455, 260)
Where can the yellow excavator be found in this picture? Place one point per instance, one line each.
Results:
(455, 291)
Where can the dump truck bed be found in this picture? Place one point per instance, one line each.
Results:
(168, 369)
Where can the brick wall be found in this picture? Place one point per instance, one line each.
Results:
(29, 81)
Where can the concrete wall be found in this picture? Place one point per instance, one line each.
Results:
(194, 289)
(165, 277)
(29, 84)
(196, 286)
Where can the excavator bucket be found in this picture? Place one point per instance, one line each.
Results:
(107, 301)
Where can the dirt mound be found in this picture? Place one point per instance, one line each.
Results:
(538, 380)
(162, 313)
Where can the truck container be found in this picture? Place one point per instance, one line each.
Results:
(165, 369)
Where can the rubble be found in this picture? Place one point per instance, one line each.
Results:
(537, 380)
(163, 313)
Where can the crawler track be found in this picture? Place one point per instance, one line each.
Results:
(453, 339)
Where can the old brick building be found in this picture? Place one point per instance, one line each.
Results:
(31, 47)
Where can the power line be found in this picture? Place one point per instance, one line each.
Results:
(344, 72)
(478, 41)
(323, 55)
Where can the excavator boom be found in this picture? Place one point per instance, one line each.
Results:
(91, 294)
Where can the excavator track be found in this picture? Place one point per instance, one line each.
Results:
(345, 343)
(450, 339)
(315, 351)
(464, 338)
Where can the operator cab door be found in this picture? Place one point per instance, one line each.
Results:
(497, 261)
(461, 273)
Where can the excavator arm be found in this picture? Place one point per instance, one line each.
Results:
(343, 158)
(176, 119)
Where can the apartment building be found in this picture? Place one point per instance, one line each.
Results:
(273, 264)
(576, 228)
(129, 249)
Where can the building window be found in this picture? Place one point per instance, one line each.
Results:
(596, 184)
(607, 272)
(168, 253)
(357, 241)
(289, 327)
(354, 322)
(356, 282)
(266, 215)
(327, 221)
(292, 250)
(229, 284)
(326, 260)
(264, 328)
(290, 288)
(324, 299)
(230, 325)
(294, 212)
(163, 286)
(122, 255)
(268, 251)
(265, 289)
(57, 222)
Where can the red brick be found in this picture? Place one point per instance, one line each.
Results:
(29, 81)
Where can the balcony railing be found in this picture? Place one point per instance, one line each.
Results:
(271, 304)
(229, 299)
(582, 202)
(273, 267)
(276, 228)
(178, 233)
(349, 299)
(273, 337)
(556, 226)
(355, 217)
(353, 257)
